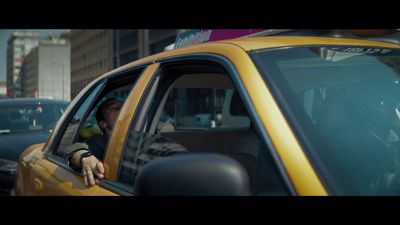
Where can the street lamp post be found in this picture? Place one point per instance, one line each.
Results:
(62, 68)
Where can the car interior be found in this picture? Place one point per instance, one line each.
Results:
(233, 135)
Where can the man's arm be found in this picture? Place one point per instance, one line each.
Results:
(71, 150)
(90, 165)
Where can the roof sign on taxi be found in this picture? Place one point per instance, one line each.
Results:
(195, 36)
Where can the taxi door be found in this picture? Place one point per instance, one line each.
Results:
(45, 172)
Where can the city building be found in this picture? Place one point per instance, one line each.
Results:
(91, 56)
(95, 52)
(46, 70)
(19, 45)
(130, 45)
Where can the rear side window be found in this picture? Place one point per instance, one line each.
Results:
(83, 124)
(72, 129)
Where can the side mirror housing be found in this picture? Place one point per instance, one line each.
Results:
(193, 175)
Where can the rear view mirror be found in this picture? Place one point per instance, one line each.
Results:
(193, 175)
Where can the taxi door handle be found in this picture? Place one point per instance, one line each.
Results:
(38, 185)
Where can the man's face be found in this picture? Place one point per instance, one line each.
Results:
(111, 114)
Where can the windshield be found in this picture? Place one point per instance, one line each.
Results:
(29, 118)
(343, 103)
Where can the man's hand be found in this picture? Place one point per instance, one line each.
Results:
(90, 165)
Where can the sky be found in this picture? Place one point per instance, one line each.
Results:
(5, 34)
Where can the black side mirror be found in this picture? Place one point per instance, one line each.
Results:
(193, 175)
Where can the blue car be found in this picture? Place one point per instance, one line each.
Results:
(23, 122)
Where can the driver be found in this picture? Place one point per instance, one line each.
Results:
(374, 108)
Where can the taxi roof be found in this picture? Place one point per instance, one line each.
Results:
(254, 43)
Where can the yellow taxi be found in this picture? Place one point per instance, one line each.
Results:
(259, 116)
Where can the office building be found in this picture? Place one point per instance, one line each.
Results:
(46, 70)
(95, 52)
(19, 45)
(91, 56)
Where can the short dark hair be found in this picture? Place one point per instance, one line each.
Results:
(105, 104)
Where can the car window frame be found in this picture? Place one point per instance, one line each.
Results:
(59, 134)
(59, 161)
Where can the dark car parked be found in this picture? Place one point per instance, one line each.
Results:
(23, 122)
